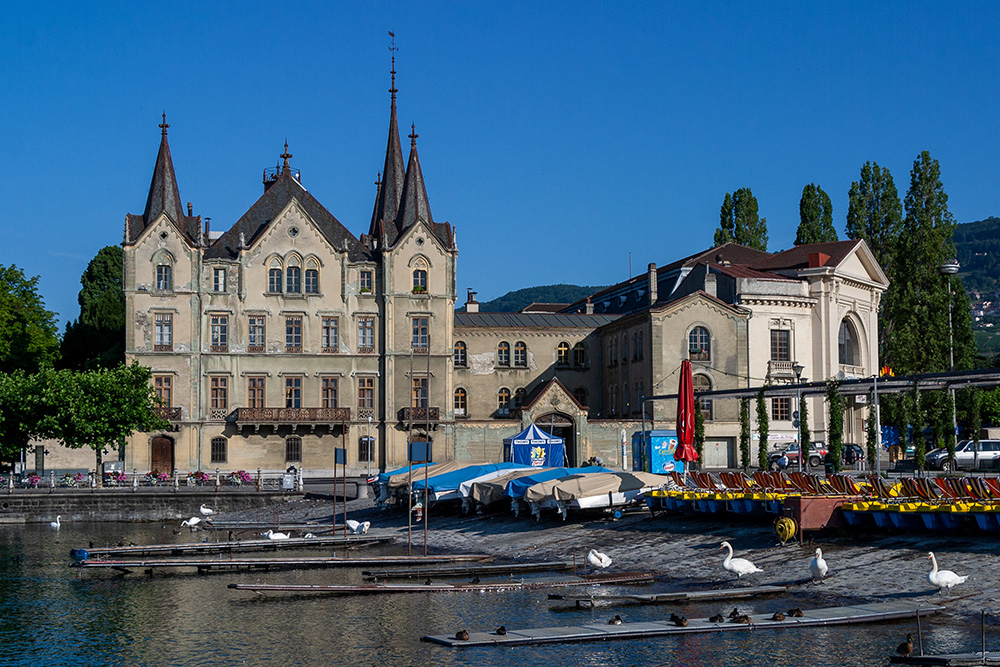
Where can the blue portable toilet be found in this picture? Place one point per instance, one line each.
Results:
(653, 451)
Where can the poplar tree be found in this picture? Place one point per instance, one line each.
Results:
(744, 433)
(804, 433)
(699, 436)
(835, 430)
(763, 430)
(739, 221)
(874, 212)
(815, 217)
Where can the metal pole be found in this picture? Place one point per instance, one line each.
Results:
(878, 426)
(368, 446)
(798, 422)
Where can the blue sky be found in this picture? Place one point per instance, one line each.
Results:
(559, 138)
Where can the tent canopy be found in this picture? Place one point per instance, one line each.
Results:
(534, 447)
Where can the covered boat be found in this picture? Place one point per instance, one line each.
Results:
(611, 489)
(446, 485)
(517, 488)
(487, 492)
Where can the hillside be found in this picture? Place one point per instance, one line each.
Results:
(511, 302)
(978, 248)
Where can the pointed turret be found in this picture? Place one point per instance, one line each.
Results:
(387, 199)
(413, 204)
(163, 194)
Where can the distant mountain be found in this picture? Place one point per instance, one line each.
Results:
(978, 248)
(511, 302)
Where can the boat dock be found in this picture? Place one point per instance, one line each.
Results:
(864, 613)
(581, 601)
(950, 659)
(206, 564)
(236, 546)
(485, 586)
(467, 571)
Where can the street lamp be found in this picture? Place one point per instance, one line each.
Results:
(798, 368)
(947, 270)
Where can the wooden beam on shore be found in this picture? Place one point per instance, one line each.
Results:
(467, 571)
(582, 601)
(949, 659)
(206, 564)
(863, 613)
(486, 586)
(236, 546)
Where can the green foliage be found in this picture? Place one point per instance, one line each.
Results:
(20, 412)
(745, 433)
(977, 246)
(28, 333)
(871, 436)
(990, 406)
(914, 426)
(835, 430)
(699, 436)
(512, 302)
(763, 430)
(739, 221)
(874, 212)
(974, 400)
(805, 436)
(815, 217)
(97, 338)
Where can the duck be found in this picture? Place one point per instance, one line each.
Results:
(308, 536)
(502, 630)
(818, 566)
(57, 523)
(616, 620)
(358, 527)
(944, 578)
(906, 648)
(271, 535)
(795, 612)
(206, 511)
(740, 566)
(718, 618)
(462, 635)
(191, 523)
(778, 616)
(734, 613)
(743, 618)
(475, 580)
(679, 620)
(597, 559)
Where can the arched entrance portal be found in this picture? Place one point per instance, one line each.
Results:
(161, 455)
(562, 426)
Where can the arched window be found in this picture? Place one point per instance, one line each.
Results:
(519, 395)
(638, 347)
(625, 349)
(503, 402)
(503, 354)
(520, 355)
(847, 345)
(699, 345)
(274, 277)
(580, 394)
(613, 398)
(164, 277)
(461, 359)
(461, 402)
(420, 277)
(293, 280)
(562, 354)
(580, 354)
(312, 277)
(702, 383)
(612, 352)
(293, 450)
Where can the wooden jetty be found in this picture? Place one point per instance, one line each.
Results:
(952, 659)
(582, 601)
(864, 613)
(206, 564)
(485, 586)
(467, 571)
(236, 546)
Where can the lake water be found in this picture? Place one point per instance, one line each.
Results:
(51, 614)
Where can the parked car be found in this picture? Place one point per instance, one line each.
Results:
(817, 450)
(965, 455)
(850, 454)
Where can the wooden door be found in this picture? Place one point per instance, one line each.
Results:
(162, 455)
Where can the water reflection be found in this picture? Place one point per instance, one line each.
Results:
(52, 614)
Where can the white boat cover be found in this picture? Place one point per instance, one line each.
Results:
(465, 488)
(543, 490)
(402, 479)
(494, 490)
(603, 483)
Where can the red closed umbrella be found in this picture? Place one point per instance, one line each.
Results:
(685, 417)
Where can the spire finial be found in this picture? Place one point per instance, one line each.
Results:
(378, 180)
(285, 156)
(413, 135)
(393, 48)
(164, 125)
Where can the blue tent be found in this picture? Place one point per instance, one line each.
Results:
(534, 447)
(517, 487)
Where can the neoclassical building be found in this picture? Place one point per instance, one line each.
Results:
(284, 336)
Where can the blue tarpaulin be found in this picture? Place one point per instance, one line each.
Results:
(517, 487)
(534, 447)
(450, 481)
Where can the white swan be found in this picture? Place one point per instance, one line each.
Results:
(57, 523)
(358, 527)
(192, 522)
(944, 578)
(740, 566)
(271, 535)
(597, 559)
(206, 511)
(818, 566)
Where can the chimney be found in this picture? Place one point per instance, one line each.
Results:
(818, 259)
(711, 287)
(207, 220)
(652, 283)
(190, 210)
(589, 308)
(471, 305)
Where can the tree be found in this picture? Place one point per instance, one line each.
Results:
(815, 217)
(871, 436)
(20, 412)
(805, 435)
(97, 338)
(835, 430)
(28, 333)
(739, 221)
(914, 429)
(744, 433)
(699, 435)
(874, 212)
(920, 300)
(763, 430)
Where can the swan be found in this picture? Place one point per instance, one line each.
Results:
(358, 527)
(206, 511)
(192, 522)
(308, 536)
(740, 566)
(597, 559)
(57, 523)
(944, 578)
(271, 535)
(818, 566)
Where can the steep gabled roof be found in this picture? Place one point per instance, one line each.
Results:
(797, 257)
(275, 198)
